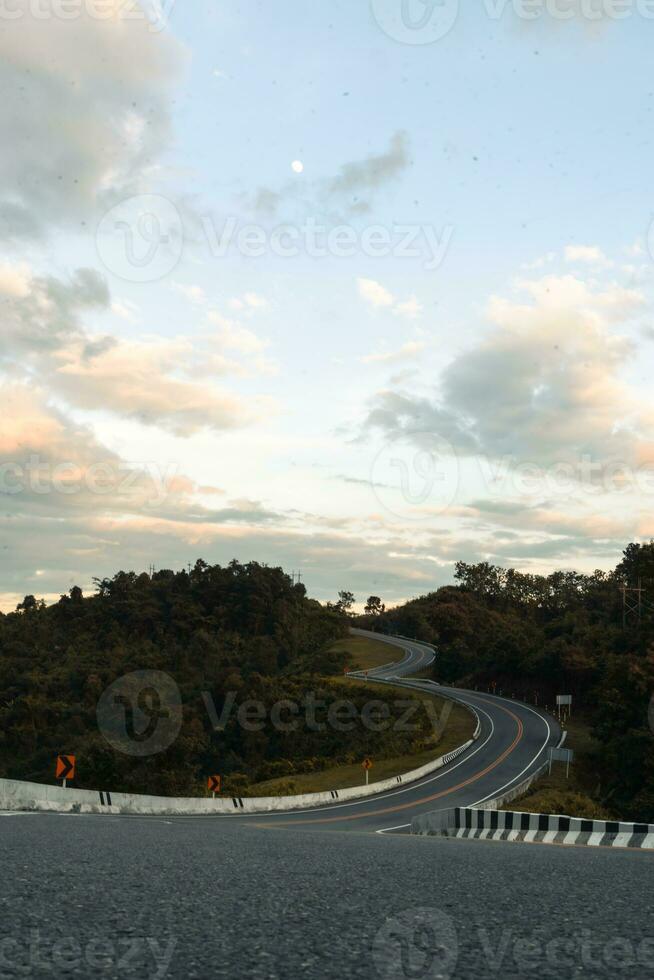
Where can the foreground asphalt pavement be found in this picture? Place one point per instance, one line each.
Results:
(86, 896)
(282, 895)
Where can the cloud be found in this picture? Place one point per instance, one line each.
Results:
(49, 465)
(588, 254)
(84, 113)
(540, 262)
(362, 176)
(74, 510)
(194, 294)
(249, 301)
(153, 381)
(126, 310)
(351, 190)
(410, 308)
(139, 381)
(379, 297)
(409, 350)
(374, 293)
(118, 512)
(544, 384)
(14, 279)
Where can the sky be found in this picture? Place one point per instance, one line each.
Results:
(359, 289)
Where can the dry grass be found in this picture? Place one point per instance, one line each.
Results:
(366, 654)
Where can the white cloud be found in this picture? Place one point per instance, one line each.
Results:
(545, 384)
(410, 308)
(195, 294)
(15, 279)
(230, 335)
(379, 297)
(540, 262)
(372, 172)
(126, 310)
(409, 350)
(155, 381)
(374, 293)
(84, 113)
(587, 254)
(351, 189)
(249, 301)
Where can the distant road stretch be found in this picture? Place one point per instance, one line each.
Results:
(512, 743)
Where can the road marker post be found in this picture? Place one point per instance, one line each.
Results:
(564, 701)
(214, 784)
(65, 768)
(367, 765)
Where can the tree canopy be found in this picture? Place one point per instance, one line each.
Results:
(564, 633)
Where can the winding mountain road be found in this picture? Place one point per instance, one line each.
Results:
(512, 743)
(272, 896)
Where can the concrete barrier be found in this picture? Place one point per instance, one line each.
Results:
(521, 788)
(505, 825)
(16, 795)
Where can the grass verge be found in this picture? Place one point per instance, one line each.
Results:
(366, 654)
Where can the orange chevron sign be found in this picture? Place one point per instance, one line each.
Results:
(65, 767)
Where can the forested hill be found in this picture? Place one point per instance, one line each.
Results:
(564, 633)
(252, 614)
(239, 628)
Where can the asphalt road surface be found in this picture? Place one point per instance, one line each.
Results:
(513, 743)
(142, 897)
(283, 895)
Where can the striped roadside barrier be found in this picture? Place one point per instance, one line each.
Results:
(506, 825)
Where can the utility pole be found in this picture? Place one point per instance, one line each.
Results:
(632, 603)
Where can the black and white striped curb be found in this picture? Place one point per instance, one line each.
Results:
(455, 753)
(533, 827)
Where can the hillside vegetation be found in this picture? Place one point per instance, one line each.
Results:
(241, 632)
(564, 633)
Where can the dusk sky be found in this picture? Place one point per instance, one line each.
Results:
(312, 285)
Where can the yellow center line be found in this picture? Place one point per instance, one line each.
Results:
(434, 796)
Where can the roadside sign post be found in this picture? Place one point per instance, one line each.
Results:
(564, 701)
(214, 784)
(65, 768)
(562, 755)
(367, 765)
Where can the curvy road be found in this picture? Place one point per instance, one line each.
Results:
(284, 895)
(512, 743)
